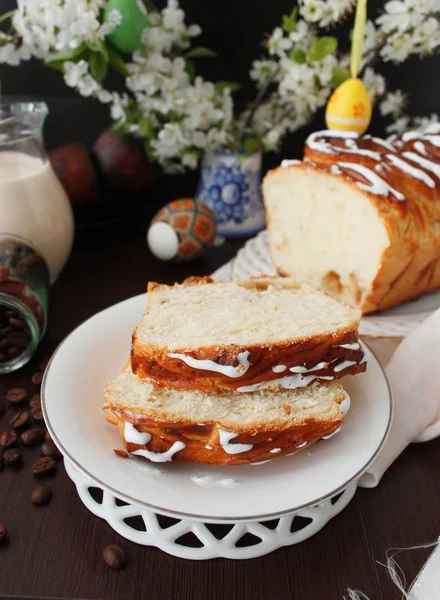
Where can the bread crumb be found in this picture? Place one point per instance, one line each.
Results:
(121, 453)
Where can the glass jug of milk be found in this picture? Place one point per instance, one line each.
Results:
(33, 203)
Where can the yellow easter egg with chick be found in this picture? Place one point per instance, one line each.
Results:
(349, 107)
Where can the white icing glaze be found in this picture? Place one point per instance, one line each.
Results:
(208, 481)
(210, 365)
(302, 445)
(412, 135)
(365, 357)
(279, 368)
(262, 462)
(208, 447)
(327, 437)
(290, 162)
(433, 139)
(423, 162)
(344, 365)
(323, 145)
(410, 170)
(377, 184)
(420, 147)
(289, 382)
(317, 367)
(226, 437)
(345, 404)
(380, 142)
(433, 128)
(275, 450)
(354, 346)
(133, 436)
(161, 456)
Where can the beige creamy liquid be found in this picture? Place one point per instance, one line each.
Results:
(34, 205)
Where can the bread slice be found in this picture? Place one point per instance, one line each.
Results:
(245, 336)
(164, 424)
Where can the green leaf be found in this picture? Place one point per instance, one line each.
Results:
(98, 66)
(289, 21)
(321, 47)
(146, 128)
(200, 52)
(149, 152)
(297, 55)
(222, 85)
(117, 62)
(339, 75)
(120, 128)
(74, 55)
(190, 69)
(251, 145)
(150, 6)
(7, 15)
(99, 46)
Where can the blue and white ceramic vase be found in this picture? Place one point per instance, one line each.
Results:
(230, 185)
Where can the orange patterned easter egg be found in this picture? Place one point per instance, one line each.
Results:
(182, 230)
(349, 107)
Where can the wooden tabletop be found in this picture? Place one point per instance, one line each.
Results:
(56, 551)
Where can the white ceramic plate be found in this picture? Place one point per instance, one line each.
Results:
(254, 259)
(72, 395)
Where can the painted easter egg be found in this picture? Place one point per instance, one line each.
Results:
(127, 36)
(182, 230)
(349, 107)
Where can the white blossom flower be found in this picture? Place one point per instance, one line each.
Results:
(374, 82)
(399, 126)
(278, 42)
(74, 72)
(400, 15)
(392, 104)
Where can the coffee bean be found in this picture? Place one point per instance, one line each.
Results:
(3, 533)
(2, 409)
(12, 456)
(17, 323)
(41, 494)
(8, 439)
(13, 351)
(2, 462)
(47, 437)
(50, 449)
(43, 465)
(4, 343)
(3, 357)
(10, 313)
(114, 556)
(37, 414)
(16, 395)
(20, 419)
(33, 436)
(44, 362)
(37, 378)
(35, 401)
(18, 338)
(4, 331)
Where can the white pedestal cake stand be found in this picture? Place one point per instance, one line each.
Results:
(192, 538)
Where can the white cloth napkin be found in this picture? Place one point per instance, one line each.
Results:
(414, 375)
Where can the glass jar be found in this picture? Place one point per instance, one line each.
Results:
(33, 203)
(24, 291)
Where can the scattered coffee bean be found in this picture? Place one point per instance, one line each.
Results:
(4, 343)
(50, 449)
(11, 313)
(16, 395)
(13, 351)
(2, 409)
(44, 362)
(19, 338)
(47, 437)
(41, 494)
(121, 453)
(3, 533)
(8, 439)
(2, 462)
(35, 401)
(20, 419)
(17, 323)
(37, 378)
(12, 456)
(33, 436)
(43, 465)
(114, 556)
(37, 414)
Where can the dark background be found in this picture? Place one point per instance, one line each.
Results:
(234, 29)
